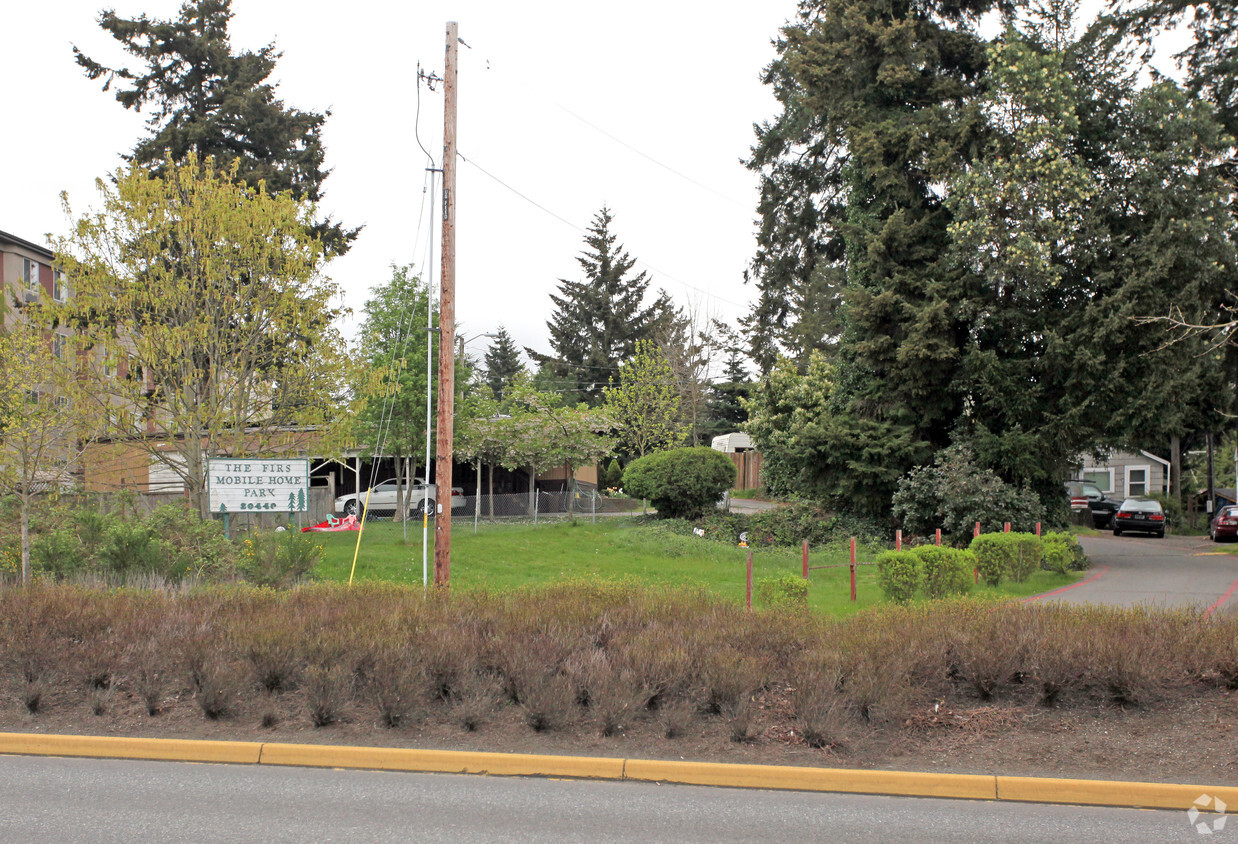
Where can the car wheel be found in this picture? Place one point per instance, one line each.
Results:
(1117, 532)
(1160, 534)
(1212, 534)
(350, 507)
(429, 506)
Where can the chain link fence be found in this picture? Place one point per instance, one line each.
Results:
(583, 501)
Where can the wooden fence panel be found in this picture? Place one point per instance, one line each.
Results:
(747, 469)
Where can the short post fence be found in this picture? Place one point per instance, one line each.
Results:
(898, 540)
(805, 559)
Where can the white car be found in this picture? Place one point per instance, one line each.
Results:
(381, 498)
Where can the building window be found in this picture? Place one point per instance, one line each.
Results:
(58, 344)
(109, 364)
(32, 396)
(62, 402)
(1137, 481)
(30, 274)
(1103, 478)
(60, 287)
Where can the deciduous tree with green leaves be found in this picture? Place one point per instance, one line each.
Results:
(210, 321)
(645, 403)
(45, 421)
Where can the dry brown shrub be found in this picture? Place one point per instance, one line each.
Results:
(396, 682)
(993, 651)
(328, 691)
(675, 718)
(817, 703)
(660, 662)
(477, 699)
(218, 685)
(549, 704)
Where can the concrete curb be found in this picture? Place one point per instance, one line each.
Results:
(1135, 795)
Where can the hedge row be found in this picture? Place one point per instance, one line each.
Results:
(592, 657)
(930, 570)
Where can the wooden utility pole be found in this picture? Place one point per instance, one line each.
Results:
(446, 322)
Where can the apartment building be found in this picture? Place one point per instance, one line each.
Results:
(26, 274)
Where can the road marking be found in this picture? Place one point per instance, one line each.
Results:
(1221, 600)
(1061, 589)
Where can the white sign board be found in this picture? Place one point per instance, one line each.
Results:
(258, 486)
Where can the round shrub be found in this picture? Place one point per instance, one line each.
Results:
(946, 571)
(898, 574)
(1062, 553)
(681, 483)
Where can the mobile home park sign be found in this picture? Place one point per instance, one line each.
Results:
(257, 486)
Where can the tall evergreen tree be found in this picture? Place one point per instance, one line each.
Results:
(726, 398)
(206, 100)
(502, 363)
(598, 321)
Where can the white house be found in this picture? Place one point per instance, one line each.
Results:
(1128, 475)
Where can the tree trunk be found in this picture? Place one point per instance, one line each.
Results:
(1175, 468)
(490, 475)
(25, 538)
(401, 511)
(567, 486)
(532, 490)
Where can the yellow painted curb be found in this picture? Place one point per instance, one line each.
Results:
(1144, 795)
(114, 747)
(1136, 795)
(967, 786)
(441, 761)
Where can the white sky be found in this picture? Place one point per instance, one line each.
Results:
(678, 81)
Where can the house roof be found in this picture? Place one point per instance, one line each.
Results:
(14, 240)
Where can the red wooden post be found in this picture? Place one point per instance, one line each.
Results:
(976, 532)
(898, 540)
(805, 559)
(1006, 527)
(975, 573)
(853, 568)
(938, 538)
(748, 593)
(1038, 528)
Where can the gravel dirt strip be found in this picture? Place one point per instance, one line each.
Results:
(895, 783)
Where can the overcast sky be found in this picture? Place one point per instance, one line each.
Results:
(671, 90)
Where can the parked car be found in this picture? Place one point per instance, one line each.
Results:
(1139, 514)
(382, 498)
(1224, 524)
(1085, 495)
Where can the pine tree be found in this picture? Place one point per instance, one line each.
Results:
(209, 101)
(502, 363)
(598, 321)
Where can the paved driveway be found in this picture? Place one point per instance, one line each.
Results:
(1170, 572)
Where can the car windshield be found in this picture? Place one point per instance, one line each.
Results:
(1145, 505)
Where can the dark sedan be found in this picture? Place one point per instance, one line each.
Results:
(1224, 524)
(1142, 515)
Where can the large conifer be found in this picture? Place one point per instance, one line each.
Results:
(205, 100)
(598, 320)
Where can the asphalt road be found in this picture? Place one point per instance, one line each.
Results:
(1170, 572)
(70, 800)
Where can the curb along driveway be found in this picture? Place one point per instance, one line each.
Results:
(1174, 572)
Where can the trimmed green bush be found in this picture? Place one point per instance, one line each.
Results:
(681, 483)
(1061, 553)
(279, 558)
(1027, 556)
(995, 553)
(1013, 555)
(788, 591)
(945, 571)
(898, 574)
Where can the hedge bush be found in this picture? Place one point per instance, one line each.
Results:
(1061, 553)
(680, 483)
(946, 571)
(898, 574)
(1000, 555)
(788, 591)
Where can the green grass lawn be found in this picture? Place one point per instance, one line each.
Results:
(508, 556)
